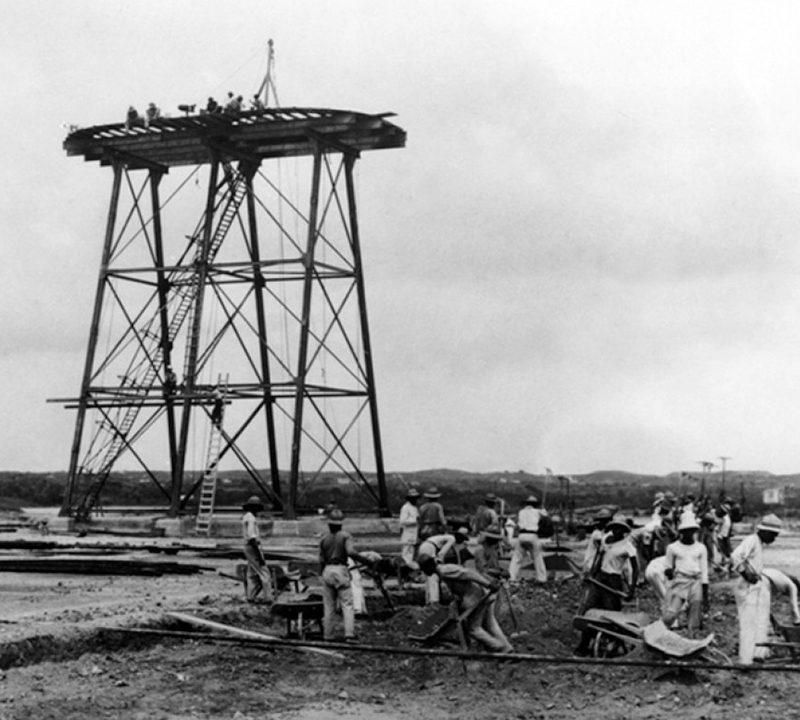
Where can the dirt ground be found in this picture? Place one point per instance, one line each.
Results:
(58, 662)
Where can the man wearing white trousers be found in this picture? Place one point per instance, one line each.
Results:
(752, 590)
(527, 542)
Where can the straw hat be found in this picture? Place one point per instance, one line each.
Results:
(253, 503)
(688, 523)
(412, 493)
(432, 494)
(335, 517)
(531, 500)
(770, 523)
(619, 521)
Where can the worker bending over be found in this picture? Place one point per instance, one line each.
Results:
(752, 590)
(437, 546)
(335, 549)
(471, 589)
(528, 543)
(783, 584)
(686, 570)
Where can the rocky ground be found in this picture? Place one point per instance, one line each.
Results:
(58, 661)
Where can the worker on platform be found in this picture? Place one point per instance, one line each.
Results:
(485, 515)
(752, 590)
(613, 568)
(686, 570)
(409, 527)
(257, 103)
(528, 543)
(152, 113)
(212, 106)
(431, 515)
(470, 589)
(132, 118)
(438, 547)
(335, 549)
(258, 579)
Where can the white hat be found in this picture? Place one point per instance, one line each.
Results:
(688, 522)
(770, 523)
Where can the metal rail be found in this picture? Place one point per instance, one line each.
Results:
(460, 654)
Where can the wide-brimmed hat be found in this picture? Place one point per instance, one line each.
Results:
(463, 530)
(770, 523)
(432, 494)
(335, 517)
(688, 523)
(531, 500)
(412, 493)
(493, 532)
(253, 502)
(491, 497)
(619, 521)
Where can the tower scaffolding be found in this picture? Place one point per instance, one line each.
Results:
(239, 291)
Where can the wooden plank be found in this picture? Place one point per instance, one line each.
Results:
(238, 632)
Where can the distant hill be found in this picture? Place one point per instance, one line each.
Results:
(461, 490)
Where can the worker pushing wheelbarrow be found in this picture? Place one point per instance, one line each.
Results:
(613, 572)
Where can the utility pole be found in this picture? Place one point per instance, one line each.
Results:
(724, 460)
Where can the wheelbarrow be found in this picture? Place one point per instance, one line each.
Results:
(302, 611)
(790, 642)
(616, 632)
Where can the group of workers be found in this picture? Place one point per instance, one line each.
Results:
(677, 568)
(468, 561)
(234, 105)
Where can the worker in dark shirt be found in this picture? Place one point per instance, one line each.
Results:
(334, 550)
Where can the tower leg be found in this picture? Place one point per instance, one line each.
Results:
(74, 470)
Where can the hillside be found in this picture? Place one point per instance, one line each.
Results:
(461, 490)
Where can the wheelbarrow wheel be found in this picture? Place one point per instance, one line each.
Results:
(606, 646)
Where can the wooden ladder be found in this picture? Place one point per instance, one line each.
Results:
(208, 488)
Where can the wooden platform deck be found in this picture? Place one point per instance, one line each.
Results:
(249, 136)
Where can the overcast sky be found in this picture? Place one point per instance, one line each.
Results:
(587, 257)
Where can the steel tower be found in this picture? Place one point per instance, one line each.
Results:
(211, 269)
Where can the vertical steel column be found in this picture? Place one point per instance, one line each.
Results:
(168, 387)
(92, 345)
(300, 380)
(194, 338)
(383, 497)
(266, 378)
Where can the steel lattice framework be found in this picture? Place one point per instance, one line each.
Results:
(258, 290)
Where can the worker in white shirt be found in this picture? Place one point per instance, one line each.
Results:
(783, 584)
(686, 570)
(527, 542)
(409, 527)
(437, 546)
(258, 578)
(752, 591)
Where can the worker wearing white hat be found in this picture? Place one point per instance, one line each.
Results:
(686, 570)
(752, 590)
